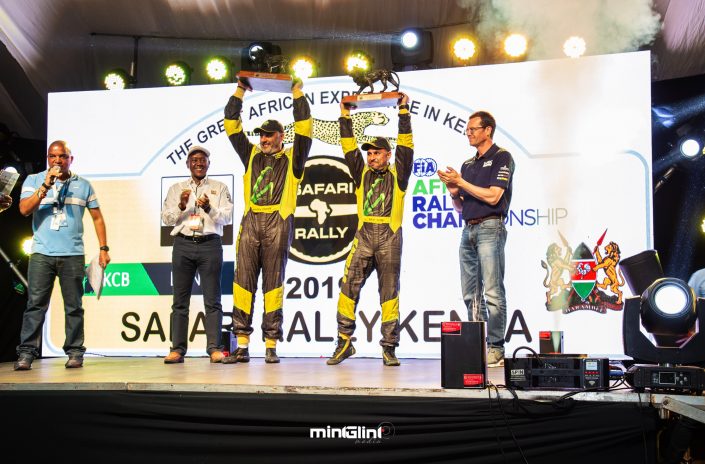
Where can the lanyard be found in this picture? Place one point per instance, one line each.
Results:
(60, 195)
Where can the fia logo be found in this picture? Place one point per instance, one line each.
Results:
(425, 167)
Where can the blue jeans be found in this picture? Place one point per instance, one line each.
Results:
(482, 268)
(42, 272)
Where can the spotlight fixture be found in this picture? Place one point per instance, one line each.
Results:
(252, 57)
(410, 39)
(515, 45)
(218, 69)
(412, 49)
(574, 47)
(178, 73)
(359, 60)
(303, 67)
(27, 246)
(690, 146)
(668, 310)
(117, 79)
(464, 48)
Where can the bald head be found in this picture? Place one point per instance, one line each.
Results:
(59, 157)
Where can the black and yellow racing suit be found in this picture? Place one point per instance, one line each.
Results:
(378, 240)
(266, 229)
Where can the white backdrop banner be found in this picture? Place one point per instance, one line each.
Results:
(579, 132)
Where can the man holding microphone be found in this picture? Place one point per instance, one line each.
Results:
(56, 199)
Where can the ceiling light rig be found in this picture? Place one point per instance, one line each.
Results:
(574, 47)
(515, 45)
(178, 73)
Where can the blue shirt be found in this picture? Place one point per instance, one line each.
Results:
(72, 197)
(495, 167)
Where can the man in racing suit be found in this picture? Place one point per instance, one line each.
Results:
(380, 188)
(271, 179)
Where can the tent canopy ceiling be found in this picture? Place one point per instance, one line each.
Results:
(63, 45)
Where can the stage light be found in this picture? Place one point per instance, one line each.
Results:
(27, 246)
(574, 47)
(303, 67)
(117, 79)
(464, 48)
(178, 73)
(10, 168)
(359, 60)
(412, 49)
(690, 147)
(218, 69)
(702, 226)
(410, 39)
(515, 45)
(665, 308)
(253, 56)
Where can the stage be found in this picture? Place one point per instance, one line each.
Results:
(139, 409)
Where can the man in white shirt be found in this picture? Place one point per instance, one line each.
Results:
(198, 208)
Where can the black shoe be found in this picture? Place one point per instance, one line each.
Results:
(241, 355)
(388, 356)
(270, 356)
(344, 350)
(75, 361)
(24, 362)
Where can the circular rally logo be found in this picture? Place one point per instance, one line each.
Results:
(325, 220)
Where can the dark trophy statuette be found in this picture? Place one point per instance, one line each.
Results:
(271, 74)
(372, 99)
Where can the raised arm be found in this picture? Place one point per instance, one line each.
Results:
(404, 154)
(351, 152)
(233, 125)
(303, 128)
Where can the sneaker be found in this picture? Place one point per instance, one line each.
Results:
(241, 355)
(75, 361)
(270, 356)
(388, 356)
(343, 350)
(217, 356)
(495, 357)
(24, 362)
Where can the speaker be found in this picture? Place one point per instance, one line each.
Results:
(229, 341)
(463, 354)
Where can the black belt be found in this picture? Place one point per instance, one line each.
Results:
(476, 221)
(198, 238)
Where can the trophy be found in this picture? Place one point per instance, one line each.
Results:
(371, 99)
(271, 74)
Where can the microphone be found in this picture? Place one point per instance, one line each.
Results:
(52, 177)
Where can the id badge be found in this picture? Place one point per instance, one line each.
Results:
(58, 220)
(195, 222)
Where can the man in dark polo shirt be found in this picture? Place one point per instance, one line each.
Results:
(482, 191)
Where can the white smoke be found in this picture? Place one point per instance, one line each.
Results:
(608, 26)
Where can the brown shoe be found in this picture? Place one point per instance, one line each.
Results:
(24, 362)
(217, 356)
(174, 358)
(74, 362)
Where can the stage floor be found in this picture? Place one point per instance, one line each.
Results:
(355, 376)
(245, 409)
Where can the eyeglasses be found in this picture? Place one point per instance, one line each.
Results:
(472, 130)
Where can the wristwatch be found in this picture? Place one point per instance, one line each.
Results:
(105, 248)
